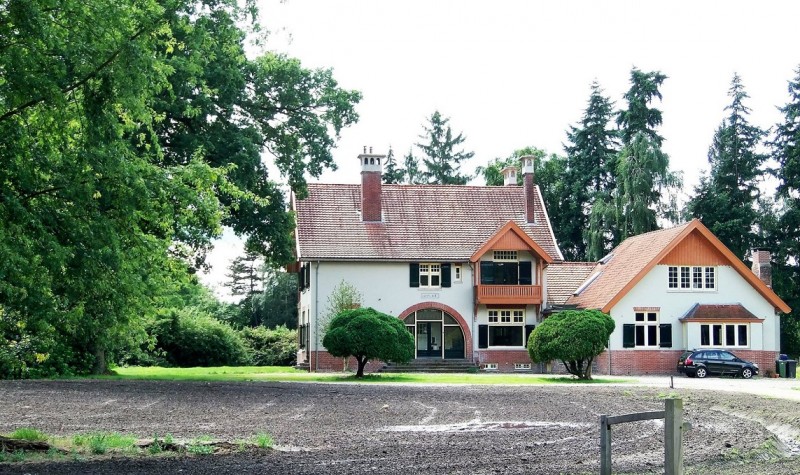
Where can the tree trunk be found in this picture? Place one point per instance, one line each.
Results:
(362, 362)
(99, 360)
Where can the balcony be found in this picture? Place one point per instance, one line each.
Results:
(510, 294)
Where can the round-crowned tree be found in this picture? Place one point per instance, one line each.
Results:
(574, 337)
(366, 334)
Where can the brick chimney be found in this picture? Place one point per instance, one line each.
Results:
(762, 266)
(371, 176)
(509, 176)
(530, 189)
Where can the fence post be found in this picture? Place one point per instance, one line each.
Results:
(605, 446)
(673, 437)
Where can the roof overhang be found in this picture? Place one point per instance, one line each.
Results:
(511, 227)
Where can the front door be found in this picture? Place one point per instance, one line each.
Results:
(429, 339)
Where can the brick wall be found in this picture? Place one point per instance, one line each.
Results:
(505, 359)
(642, 362)
(328, 363)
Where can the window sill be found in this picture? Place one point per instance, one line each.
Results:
(692, 291)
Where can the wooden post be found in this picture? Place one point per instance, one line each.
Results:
(605, 446)
(673, 437)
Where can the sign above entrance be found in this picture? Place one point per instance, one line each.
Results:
(434, 296)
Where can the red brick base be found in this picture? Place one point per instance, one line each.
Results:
(329, 363)
(505, 359)
(640, 362)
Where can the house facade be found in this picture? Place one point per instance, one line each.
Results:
(462, 266)
(677, 289)
(471, 270)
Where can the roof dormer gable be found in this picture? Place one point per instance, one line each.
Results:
(511, 237)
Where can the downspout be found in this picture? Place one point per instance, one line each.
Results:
(316, 318)
(474, 310)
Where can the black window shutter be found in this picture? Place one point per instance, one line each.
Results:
(483, 336)
(446, 275)
(487, 272)
(414, 274)
(308, 275)
(525, 276)
(528, 331)
(666, 335)
(301, 277)
(628, 335)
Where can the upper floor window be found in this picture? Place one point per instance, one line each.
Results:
(457, 273)
(430, 275)
(692, 278)
(505, 255)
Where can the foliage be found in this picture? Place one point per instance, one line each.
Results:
(785, 231)
(345, 296)
(264, 440)
(129, 133)
(276, 305)
(639, 117)
(590, 173)
(28, 433)
(574, 337)
(392, 172)
(725, 200)
(367, 334)
(441, 159)
(412, 171)
(270, 346)
(244, 274)
(187, 337)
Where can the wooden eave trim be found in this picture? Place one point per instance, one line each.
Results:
(735, 262)
(511, 226)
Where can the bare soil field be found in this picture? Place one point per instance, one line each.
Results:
(392, 429)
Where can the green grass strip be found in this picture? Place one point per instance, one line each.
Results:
(272, 373)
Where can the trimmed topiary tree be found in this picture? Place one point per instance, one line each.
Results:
(367, 334)
(574, 337)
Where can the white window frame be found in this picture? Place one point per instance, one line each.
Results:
(522, 366)
(457, 276)
(691, 278)
(506, 317)
(721, 330)
(649, 319)
(428, 273)
(490, 366)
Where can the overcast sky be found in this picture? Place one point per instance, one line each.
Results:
(511, 74)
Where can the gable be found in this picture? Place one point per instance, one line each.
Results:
(696, 250)
(513, 236)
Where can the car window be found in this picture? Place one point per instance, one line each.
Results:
(711, 355)
(724, 355)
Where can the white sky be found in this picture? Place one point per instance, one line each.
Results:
(510, 74)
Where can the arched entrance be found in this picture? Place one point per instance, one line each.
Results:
(437, 333)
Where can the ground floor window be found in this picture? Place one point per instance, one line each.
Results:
(506, 328)
(725, 334)
(436, 334)
(646, 328)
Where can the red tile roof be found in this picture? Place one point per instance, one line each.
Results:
(622, 265)
(563, 278)
(718, 312)
(420, 222)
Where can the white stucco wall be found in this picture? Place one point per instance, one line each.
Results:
(385, 287)
(732, 288)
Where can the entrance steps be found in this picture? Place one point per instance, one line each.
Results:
(431, 365)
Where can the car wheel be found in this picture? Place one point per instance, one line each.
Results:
(747, 373)
(701, 372)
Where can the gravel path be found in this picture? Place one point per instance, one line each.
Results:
(388, 429)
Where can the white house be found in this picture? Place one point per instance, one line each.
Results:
(681, 288)
(472, 269)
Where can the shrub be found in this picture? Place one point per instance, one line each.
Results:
(270, 346)
(367, 334)
(189, 337)
(574, 337)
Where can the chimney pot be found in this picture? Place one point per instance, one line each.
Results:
(371, 177)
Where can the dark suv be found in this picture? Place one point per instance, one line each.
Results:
(701, 363)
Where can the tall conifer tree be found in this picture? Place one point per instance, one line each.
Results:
(392, 173)
(726, 199)
(441, 158)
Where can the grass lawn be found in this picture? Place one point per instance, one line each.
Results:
(286, 373)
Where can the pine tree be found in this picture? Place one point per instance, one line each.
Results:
(442, 160)
(785, 147)
(639, 116)
(412, 172)
(591, 156)
(726, 199)
(392, 173)
(244, 274)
